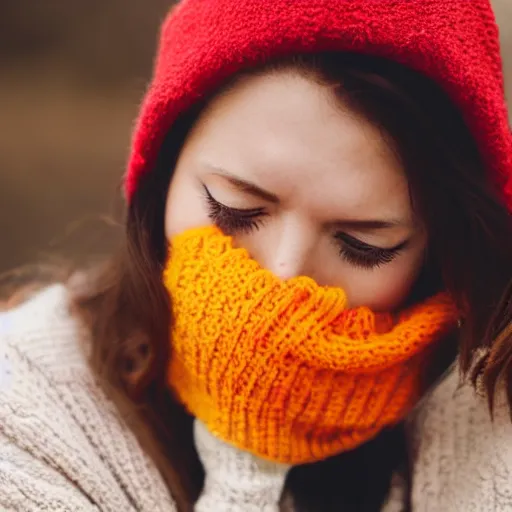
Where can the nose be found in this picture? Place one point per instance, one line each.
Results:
(292, 253)
(287, 269)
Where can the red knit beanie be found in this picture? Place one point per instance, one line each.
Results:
(454, 42)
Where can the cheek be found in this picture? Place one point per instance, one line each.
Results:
(385, 288)
(185, 208)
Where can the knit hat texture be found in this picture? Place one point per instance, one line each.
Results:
(204, 42)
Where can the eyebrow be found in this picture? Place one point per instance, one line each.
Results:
(244, 185)
(370, 224)
(254, 190)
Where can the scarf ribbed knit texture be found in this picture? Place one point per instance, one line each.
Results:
(284, 369)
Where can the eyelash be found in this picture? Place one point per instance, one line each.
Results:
(364, 255)
(233, 220)
(354, 251)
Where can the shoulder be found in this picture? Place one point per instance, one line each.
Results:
(462, 458)
(44, 333)
(63, 437)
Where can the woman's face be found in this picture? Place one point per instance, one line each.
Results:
(305, 185)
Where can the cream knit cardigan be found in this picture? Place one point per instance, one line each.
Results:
(63, 446)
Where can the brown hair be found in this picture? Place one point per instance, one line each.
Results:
(470, 254)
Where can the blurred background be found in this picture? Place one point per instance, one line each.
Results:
(72, 73)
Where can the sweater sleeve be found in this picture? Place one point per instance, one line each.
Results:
(236, 481)
(63, 446)
(462, 459)
(29, 485)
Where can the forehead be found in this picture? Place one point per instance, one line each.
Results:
(291, 135)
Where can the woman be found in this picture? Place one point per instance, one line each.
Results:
(318, 244)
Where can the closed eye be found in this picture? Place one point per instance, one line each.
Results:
(361, 254)
(233, 220)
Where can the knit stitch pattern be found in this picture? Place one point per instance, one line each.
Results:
(64, 446)
(284, 369)
(453, 42)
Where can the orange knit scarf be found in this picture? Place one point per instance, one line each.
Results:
(284, 369)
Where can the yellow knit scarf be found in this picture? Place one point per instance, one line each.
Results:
(284, 369)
